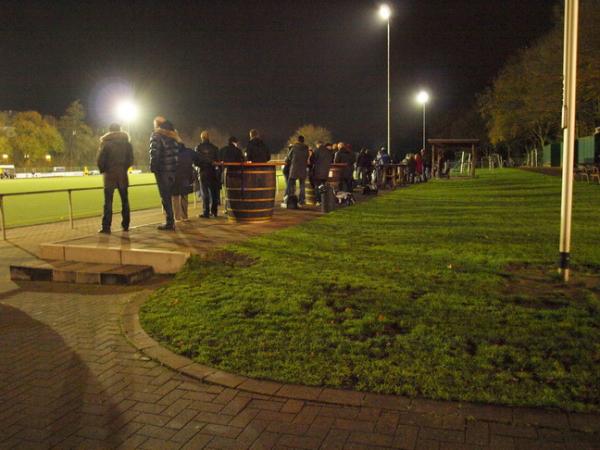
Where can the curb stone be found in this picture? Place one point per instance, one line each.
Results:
(550, 418)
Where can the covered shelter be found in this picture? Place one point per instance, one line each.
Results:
(438, 145)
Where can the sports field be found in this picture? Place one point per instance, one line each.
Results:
(53, 207)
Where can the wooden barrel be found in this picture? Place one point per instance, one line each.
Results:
(310, 193)
(250, 191)
(335, 175)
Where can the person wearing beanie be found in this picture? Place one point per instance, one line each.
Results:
(115, 157)
(164, 150)
(231, 152)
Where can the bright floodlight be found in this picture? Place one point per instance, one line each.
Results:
(4, 156)
(48, 157)
(385, 12)
(422, 97)
(126, 111)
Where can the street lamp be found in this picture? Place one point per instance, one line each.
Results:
(48, 158)
(385, 13)
(422, 99)
(4, 156)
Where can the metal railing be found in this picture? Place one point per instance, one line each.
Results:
(54, 191)
(70, 200)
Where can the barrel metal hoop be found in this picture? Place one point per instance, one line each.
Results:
(270, 199)
(252, 189)
(250, 210)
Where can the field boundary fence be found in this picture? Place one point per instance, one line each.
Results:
(69, 199)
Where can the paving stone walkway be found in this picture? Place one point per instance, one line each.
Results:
(70, 379)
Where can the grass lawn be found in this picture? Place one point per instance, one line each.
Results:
(444, 290)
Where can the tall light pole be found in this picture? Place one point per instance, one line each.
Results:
(422, 99)
(568, 125)
(385, 13)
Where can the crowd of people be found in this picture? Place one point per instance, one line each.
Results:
(179, 170)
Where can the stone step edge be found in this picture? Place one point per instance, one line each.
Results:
(162, 261)
(47, 271)
(145, 344)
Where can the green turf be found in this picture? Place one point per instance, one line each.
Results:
(53, 207)
(443, 290)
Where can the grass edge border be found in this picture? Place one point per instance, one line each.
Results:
(133, 332)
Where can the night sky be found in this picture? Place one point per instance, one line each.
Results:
(236, 65)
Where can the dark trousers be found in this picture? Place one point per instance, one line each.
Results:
(166, 184)
(210, 196)
(345, 184)
(316, 183)
(108, 205)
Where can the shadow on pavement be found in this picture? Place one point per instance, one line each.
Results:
(47, 393)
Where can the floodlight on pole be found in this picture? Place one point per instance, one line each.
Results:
(385, 13)
(422, 99)
(126, 111)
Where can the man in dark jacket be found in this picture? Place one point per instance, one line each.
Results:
(345, 156)
(210, 182)
(114, 159)
(297, 159)
(364, 164)
(321, 160)
(231, 152)
(257, 151)
(164, 149)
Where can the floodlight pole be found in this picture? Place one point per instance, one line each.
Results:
(424, 124)
(568, 125)
(389, 100)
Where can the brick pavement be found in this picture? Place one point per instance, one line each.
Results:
(70, 379)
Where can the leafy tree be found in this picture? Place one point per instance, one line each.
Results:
(81, 144)
(27, 137)
(523, 105)
(312, 134)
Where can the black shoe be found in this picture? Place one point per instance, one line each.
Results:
(214, 213)
(104, 231)
(125, 229)
(204, 216)
(166, 227)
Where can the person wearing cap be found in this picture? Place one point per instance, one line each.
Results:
(209, 176)
(257, 151)
(115, 157)
(164, 150)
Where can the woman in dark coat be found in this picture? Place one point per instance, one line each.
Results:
(184, 182)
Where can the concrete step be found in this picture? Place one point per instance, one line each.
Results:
(80, 272)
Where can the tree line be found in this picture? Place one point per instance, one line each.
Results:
(521, 109)
(29, 139)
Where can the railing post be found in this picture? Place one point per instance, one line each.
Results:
(70, 209)
(2, 222)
